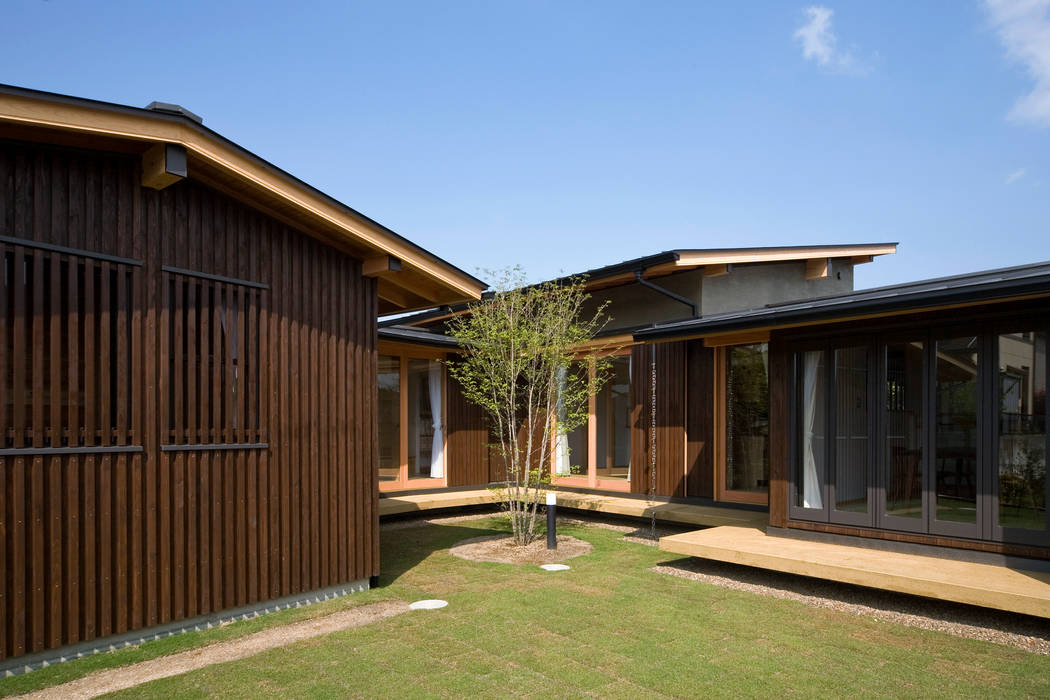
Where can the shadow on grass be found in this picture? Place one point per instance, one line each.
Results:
(418, 539)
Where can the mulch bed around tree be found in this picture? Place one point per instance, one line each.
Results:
(501, 548)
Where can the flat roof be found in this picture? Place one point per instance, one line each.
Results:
(428, 280)
(1031, 280)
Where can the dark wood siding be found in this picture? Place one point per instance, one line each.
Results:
(468, 440)
(670, 418)
(699, 448)
(198, 443)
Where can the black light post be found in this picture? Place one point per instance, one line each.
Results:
(552, 535)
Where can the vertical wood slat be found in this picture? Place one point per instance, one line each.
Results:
(134, 533)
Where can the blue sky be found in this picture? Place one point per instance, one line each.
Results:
(569, 135)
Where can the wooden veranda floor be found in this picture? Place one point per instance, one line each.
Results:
(982, 584)
(686, 514)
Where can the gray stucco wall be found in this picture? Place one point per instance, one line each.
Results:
(744, 287)
(754, 286)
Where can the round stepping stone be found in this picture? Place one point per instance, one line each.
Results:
(428, 604)
(554, 567)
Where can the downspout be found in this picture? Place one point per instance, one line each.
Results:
(666, 292)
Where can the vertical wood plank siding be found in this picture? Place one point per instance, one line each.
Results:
(112, 346)
(467, 441)
(670, 418)
(699, 461)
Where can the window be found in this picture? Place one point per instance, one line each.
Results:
(1022, 435)
(598, 453)
(411, 422)
(211, 343)
(743, 461)
(937, 432)
(66, 351)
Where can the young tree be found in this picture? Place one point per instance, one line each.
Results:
(519, 343)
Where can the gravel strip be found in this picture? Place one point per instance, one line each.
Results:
(123, 677)
(1011, 629)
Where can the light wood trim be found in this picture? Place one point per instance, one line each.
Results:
(403, 482)
(720, 449)
(389, 347)
(717, 270)
(742, 338)
(86, 119)
(157, 170)
(743, 255)
(817, 268)
(403, 437)
(861, 259)
(379, 265)
(592, 429)
(609, 345)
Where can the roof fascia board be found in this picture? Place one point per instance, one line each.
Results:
(85, 116)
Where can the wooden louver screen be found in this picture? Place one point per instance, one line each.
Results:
(212, 370)
(66, 349)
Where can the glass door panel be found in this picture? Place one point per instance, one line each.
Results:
(852, 444)
(747, 422)
(811, 443)
(1022, 434)
(903, 454)
(389, 418)
(612, 412)
(424, 417)
(956, 435)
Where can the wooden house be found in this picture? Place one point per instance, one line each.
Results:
(187, 375)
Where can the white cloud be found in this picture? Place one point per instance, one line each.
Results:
(1015, 176)
(820, 44)
(1023, 27)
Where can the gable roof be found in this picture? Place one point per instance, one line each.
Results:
(416, 279)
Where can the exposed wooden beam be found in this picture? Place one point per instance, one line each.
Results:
(861, 259)
(817, 268)
(403, 299)
(162, 165)
(380, 265)
(717, 270)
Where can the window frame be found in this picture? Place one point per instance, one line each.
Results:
(590, 480)
(404, 354)
(720, 429)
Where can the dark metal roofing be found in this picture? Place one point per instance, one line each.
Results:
(987, 285)
(197, 124)
(405, 334)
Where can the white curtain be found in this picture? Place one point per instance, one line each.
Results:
(811, 487)
(561, 452)
(437, 453)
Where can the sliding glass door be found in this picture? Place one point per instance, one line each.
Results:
(936, 432)
(1021, 440)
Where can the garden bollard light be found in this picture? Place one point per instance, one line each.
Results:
(552, 535)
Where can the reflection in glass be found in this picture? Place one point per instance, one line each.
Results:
(851, 429)
(904, 429)
(1022, 430)
(389, 417)
(571, 457)
(747, 418)
(809, 481)
(956, 430)
(613, 417)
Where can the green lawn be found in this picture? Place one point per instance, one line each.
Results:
(607, 628)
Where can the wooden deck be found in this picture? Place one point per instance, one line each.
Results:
(686, 514)
(985, 585)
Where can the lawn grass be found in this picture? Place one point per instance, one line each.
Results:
(608, 628)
